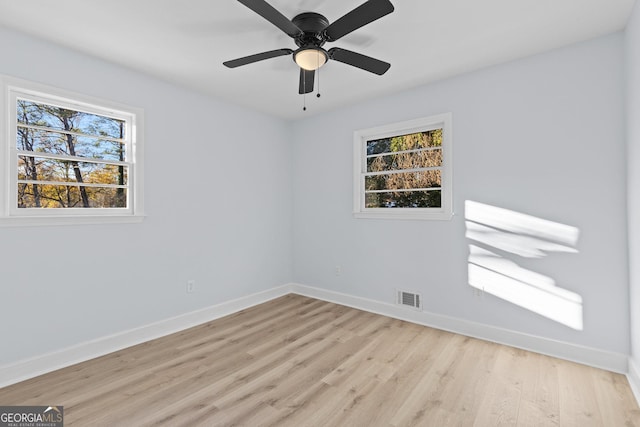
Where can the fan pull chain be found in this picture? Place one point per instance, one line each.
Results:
(304, 92)
(318, 94)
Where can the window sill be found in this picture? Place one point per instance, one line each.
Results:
(403, 215)
(35, 221)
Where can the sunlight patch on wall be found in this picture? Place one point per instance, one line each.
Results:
(498, 233)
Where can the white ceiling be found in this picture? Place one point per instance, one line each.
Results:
(186, 41)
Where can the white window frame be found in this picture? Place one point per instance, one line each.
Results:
(360, 138)
(10, 214)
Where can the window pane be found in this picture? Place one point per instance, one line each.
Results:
(33, 113)
(404, 199)
(378, 146)
(411, 160)
(67, 196)
(400, 181)
(412, 141)
(69, 145)
(41, 169)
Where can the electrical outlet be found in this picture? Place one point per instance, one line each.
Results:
(338, 270)
(191, 284)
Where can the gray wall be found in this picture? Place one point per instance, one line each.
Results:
(543, 136)
(218, 200)
(633, 138)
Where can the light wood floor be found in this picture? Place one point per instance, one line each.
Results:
(297, 361)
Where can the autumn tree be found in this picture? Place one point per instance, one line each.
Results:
(25, 141)
(58, 139)
(412, 162)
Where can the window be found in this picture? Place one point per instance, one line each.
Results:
(68, 158)
(403, 170)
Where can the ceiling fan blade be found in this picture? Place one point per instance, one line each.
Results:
(359, 60)
(269, 13)
(306, 81)
(257, 57)
(358, 17)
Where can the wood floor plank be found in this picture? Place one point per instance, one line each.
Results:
(610, 390)
(410, 365)
(540, 402)
(503, 394)
(424, 399)
(296, 361)
(463, 395)
(578, 401)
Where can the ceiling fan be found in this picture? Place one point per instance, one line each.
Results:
(311, 31)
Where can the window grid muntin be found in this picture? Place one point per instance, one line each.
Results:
(71, 158)
(404, 189)
(71, 184)
(431, 168)
(70, 132)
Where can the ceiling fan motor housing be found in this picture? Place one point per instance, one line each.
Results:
(313, 25)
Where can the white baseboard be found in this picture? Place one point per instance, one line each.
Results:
(20, 371)
(634, 378)
(586, 355)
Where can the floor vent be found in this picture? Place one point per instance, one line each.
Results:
(410, 299)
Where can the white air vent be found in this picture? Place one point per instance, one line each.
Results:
(410, 299)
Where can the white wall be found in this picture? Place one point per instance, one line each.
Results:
(218, 200)
(633, 169)
(543, 136)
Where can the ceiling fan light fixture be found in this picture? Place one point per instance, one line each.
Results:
(310, 58)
